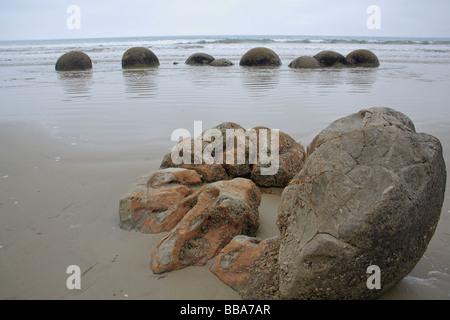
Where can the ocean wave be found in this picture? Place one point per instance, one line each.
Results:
(314, 40)
(232, 40)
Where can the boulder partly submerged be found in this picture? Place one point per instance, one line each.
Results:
(74, 61)
(370, 193)
(305, 62)
(199, 59)
(363, 58)
(330, 59)
(250, 266)
(260, 57)
(221, 63)
(139, 57)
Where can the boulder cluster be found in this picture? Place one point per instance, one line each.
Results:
(368, 192)
(331, 59)
(140, 57)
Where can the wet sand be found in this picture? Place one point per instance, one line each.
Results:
(59, 207)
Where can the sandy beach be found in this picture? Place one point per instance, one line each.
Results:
(59, 207)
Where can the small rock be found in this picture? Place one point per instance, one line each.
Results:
(199, 59)
(221, 63)
(250, 267)
(152, 203)
(363, 58)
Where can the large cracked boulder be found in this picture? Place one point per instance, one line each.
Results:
(371, 193)
(218, 212)
(245, 153)
(221, 63)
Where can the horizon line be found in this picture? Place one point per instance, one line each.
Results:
(227, 35)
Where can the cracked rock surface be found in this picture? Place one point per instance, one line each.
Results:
(217, 213)
(370, 193)
(289, 161)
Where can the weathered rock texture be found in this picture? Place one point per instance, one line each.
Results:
(370, 193)
(74, 61)
(363, 58)
(199, 59)
(139, 57)
(218, 212)
(155, 202)
(250, 267)
(260, 57)
(290, 159)
(305, 62)
(331, 59)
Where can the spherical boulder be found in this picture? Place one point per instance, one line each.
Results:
(331, 59)
(221, 63)
(260, 57)
(305, 62)
(199, 59)
(370, 197)
(139, 57)
(73, 61)
(363, 58)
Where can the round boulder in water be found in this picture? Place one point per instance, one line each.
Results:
(305, 62)
(73, 61)
(260, 57)
(363, 58)
(139, 57)
(221, 63)
(199, 59)
(331, 59)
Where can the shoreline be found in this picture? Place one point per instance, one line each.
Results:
(59, 207)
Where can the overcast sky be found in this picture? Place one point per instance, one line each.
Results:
(47, 19)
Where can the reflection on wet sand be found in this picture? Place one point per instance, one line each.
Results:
(76, 84)
(260, 80)
(326, 81)
(361, 80)
(141, 83)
